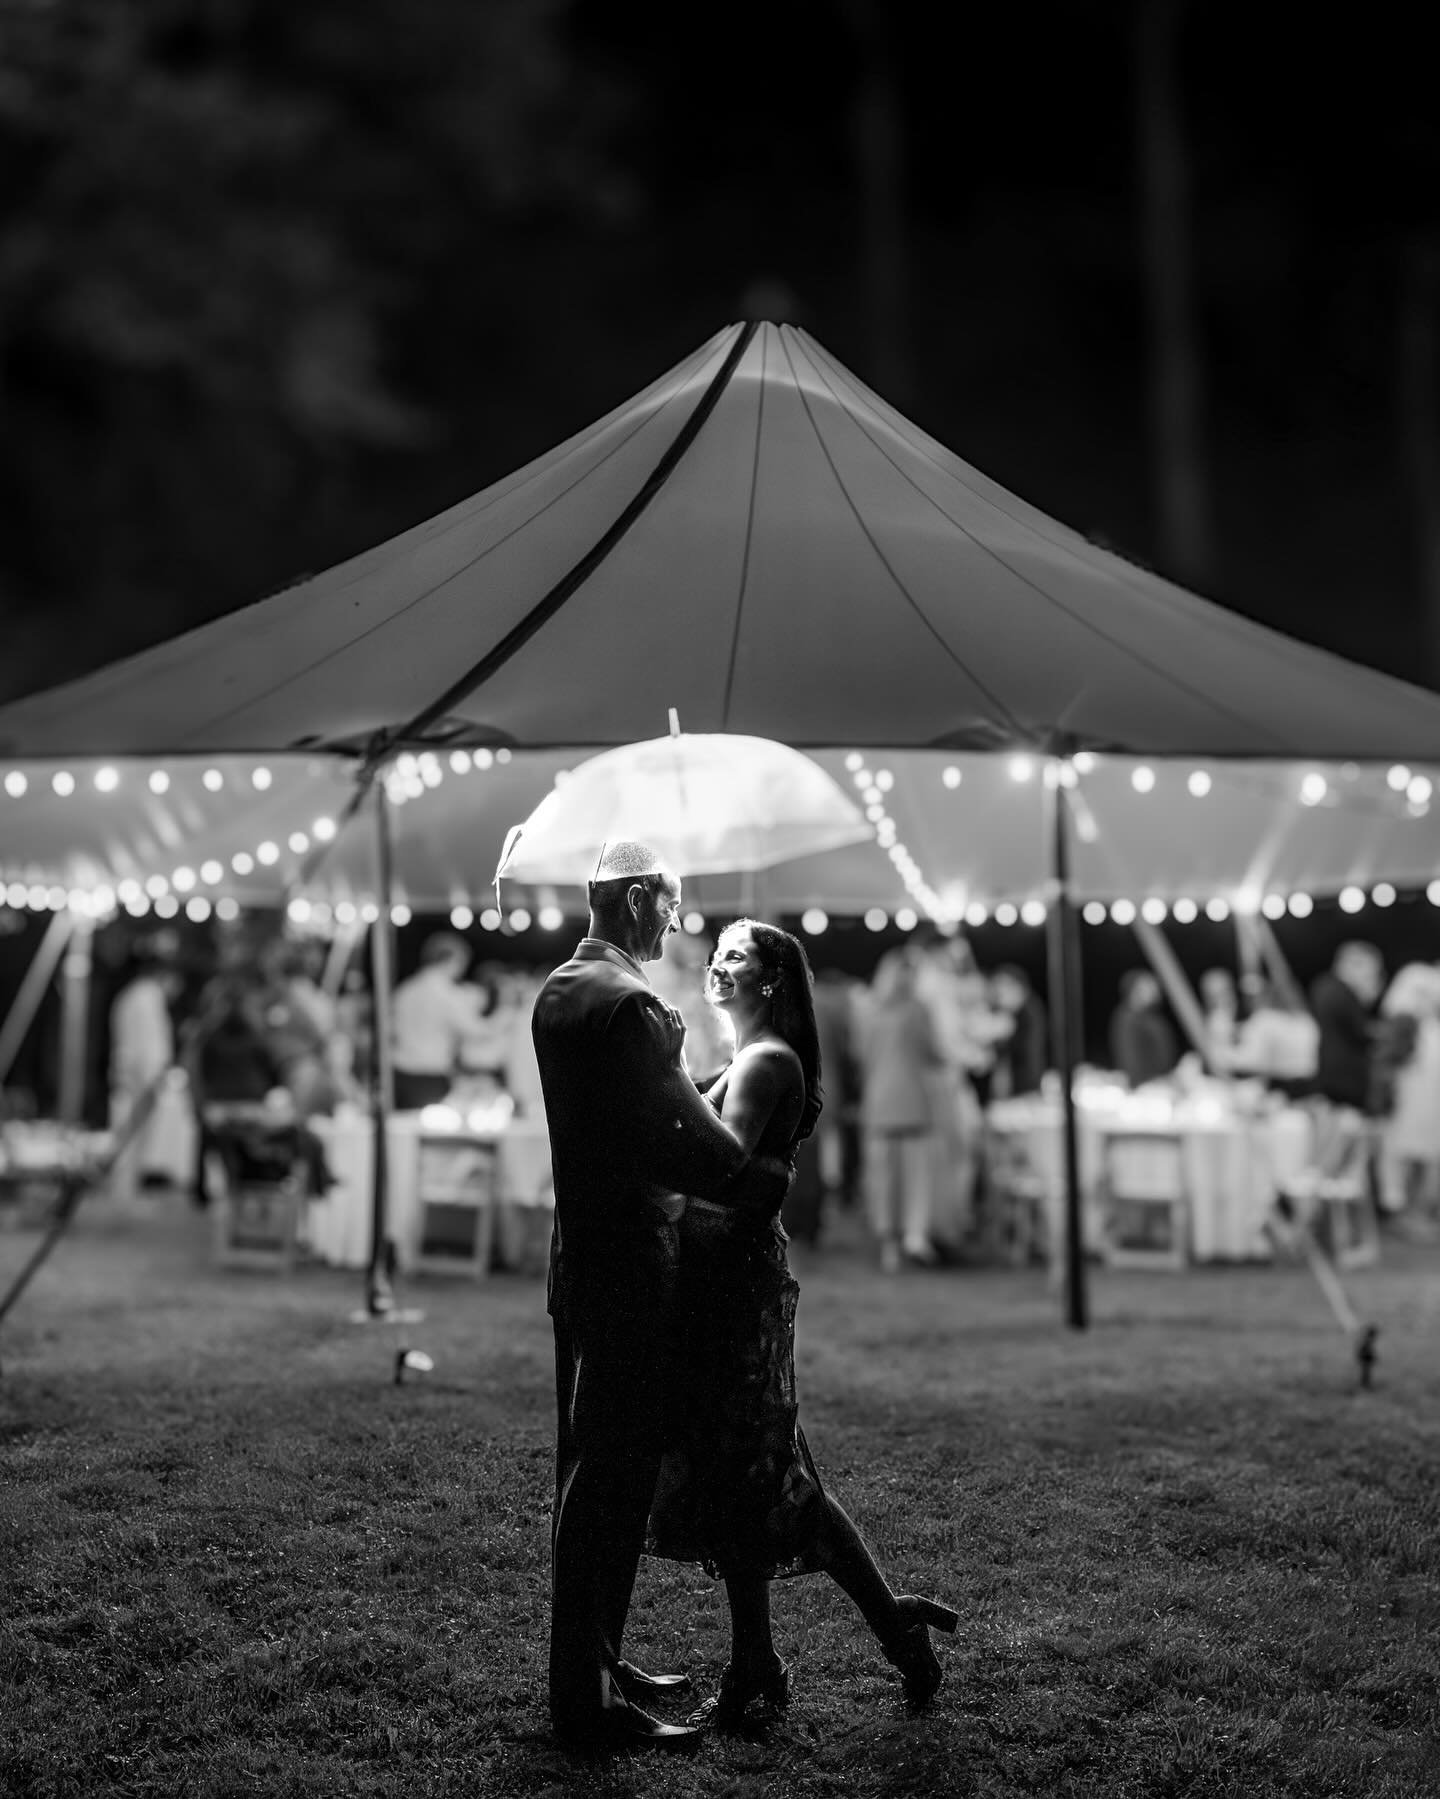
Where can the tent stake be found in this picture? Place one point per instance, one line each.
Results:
(1063, 967)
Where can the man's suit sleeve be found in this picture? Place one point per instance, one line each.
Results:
(680, 1143)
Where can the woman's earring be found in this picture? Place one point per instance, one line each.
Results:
(767, 991)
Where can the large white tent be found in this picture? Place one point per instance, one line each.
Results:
(764, 545)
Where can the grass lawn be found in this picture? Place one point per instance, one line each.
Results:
(1190, 1557)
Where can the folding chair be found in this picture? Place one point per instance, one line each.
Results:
(1147, 1207)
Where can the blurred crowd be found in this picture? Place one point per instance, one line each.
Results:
(916, 1060)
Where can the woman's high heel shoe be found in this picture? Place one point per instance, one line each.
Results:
(739, 1689)
(909, 1650)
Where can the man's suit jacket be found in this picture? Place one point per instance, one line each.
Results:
(630, 1136)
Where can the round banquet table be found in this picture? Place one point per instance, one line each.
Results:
(1233, 1164)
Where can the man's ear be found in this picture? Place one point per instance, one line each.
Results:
(636, 904)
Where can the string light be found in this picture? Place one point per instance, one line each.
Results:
(1153, 911)
(346, 913)
(1399, 777)
(460, 761)
(15, 783)
(1142, 779)
(1184, 911)
(1432, 893)
(323, 830)
(854, 760)
(1094, 912)
(1313, 789)
(369, 913)
(197, 910)
(906, 918)
(260, 779)
(813, 920)
(267, 854)
(952, 776)
(876, 918)
(484, 759)
(1217, 910)
(299, 842)
(975, 915)
(1352, 899)
(298, 911)
(166, 906)
(1382, 894)
(489, 919)
(461, 917)
(520, 919)
(1033, 912)
(1006, 914)
(1083, 762)
(1199, 783)
(242, 862)
(63, 782)
(694, 923)
(1300, 905)
(107, 779)
(159, 781)
(1419, 790)
(227, 910)
(400, 914)
(551, 918)
(884, 780)
(183, 879)
(1122, 911)
(1022, 768)
(211, 873)
(155, 885)
(212, 780)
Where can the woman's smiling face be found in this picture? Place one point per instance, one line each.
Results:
(736, 973)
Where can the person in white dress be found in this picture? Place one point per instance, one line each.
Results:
(1410, 1133)
(142, 1049)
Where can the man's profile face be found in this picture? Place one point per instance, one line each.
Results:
(659, 916)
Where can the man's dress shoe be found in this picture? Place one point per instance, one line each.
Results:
(635, 1683)
(627, 1727)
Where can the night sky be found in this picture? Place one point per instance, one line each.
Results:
(524, 267)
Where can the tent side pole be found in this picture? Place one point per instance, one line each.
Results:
(378, 1296)
(75, 973)
(32, 988)
(1063, 960)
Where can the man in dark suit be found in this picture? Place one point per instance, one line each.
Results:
(630, 1136)
(1343, 1001)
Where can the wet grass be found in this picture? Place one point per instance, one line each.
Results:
(1190, 1557)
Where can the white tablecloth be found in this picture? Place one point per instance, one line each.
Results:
(338, 1226)
(1233, 1167)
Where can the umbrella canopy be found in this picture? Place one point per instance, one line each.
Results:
(786, 556)
(711, 804)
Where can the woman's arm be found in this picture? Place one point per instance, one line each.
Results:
(763, 1082)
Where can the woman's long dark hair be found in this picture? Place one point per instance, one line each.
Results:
(792, 1007)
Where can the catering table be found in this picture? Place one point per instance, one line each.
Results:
(1235, 1157)
(337, 1226)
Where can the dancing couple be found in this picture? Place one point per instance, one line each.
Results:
(673, 1310)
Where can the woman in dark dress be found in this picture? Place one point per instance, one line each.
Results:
(739, 1491)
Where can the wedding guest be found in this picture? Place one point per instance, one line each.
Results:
(142, 1048)
(898, 1056)
(966, 1028)
(1343, 1001)
(1143, 1044)
(1279, 1044)
(1407, 1056)
(1022, 1057)
(1220, 1004)
(435, 1021)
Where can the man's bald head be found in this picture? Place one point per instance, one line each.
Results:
(634, 898)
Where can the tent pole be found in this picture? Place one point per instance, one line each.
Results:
(1063, 968)
(378, 1297)
(75, 1018)
(32, 988)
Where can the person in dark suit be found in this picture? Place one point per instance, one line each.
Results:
(630, 1136)
(1143, 1045)
(1343, 1001)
